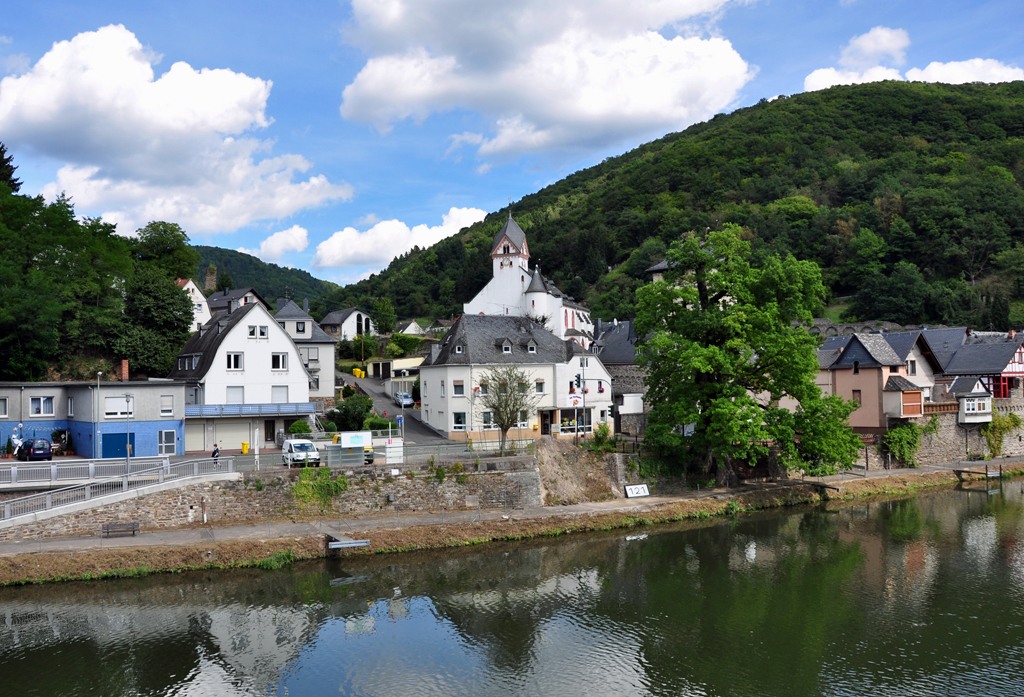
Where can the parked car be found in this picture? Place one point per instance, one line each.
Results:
(300, 453)
(404, 399)
(35, 449)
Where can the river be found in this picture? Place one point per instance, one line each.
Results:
(923, 596)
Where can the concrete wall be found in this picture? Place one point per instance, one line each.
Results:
(241, 501)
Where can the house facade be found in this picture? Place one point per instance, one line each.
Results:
(244, 380)
(316, 347)
(98, 417)
(516, 291)
(200, 306)
(453, 380)
(347, 324)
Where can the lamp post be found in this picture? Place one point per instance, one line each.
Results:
(127, 432)
(96, 420)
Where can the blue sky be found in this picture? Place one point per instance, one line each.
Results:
(333, 135)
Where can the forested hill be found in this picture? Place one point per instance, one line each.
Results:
(270, 280)
(907, 194)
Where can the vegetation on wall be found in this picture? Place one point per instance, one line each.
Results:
(995, 430)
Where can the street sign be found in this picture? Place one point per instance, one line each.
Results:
(635, 490)
(399, 420)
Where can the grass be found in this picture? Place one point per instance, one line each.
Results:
(834, 311)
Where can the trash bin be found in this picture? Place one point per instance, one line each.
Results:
(245, 448)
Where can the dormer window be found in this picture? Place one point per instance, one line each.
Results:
(531, 348)
(458, 348)
(506, 348)
(300, 327)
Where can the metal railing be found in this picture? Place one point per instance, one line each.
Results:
(251, 409)
(40, 473)
(26, 505)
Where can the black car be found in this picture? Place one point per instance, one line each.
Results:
(35, 449)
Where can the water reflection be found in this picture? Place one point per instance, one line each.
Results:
(922, 596)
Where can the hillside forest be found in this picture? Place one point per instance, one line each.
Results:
(907, 195)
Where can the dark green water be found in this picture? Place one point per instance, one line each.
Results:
(917, 597)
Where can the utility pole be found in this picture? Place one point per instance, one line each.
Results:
(96, 419)
(127, 432)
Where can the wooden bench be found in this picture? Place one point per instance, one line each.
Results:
(132, 527)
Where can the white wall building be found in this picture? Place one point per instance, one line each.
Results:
(200, 306)
(516, 291)
(316, 348)
(451, 387)
(244, 379)
(347, 324)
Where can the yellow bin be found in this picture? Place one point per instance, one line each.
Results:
(245, 448)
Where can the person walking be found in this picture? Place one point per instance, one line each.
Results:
(216, 456)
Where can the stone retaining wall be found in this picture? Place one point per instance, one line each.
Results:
(256, 498)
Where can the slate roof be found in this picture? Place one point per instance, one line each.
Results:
(965, 385)
(983, 357)
(207, 341)
(660, 267)
(513, 231)
(482, 337)
(537, 284)
(339, 316)
(944, 342)
(291, 311)
(869, 350)
(898, 383)
(316, 335)
(220, 299)
(902, 343)
(616, 343)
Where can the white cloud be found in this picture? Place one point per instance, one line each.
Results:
(368, 219)
(881, 45)
(14, 63)
(572, 75)
(959, 72)
(140, 147)
(824, 78)
(387, 239)
(294, 239)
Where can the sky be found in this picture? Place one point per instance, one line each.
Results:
(333, 135)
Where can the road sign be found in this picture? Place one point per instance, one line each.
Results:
(635, 490)
(399, 420)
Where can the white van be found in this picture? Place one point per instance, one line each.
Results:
(300, 453)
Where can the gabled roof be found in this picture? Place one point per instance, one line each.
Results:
(898, 383)
(968, 385)
(617, 343)
(220, 299)
(291, 311)
(982, 356)
(339, 316)
(316, 335)
(206, 342)
(482, 338)
(869, 350)
(514, 233)
(660, 267)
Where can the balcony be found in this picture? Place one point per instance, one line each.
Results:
(929, 408)
(214, 410)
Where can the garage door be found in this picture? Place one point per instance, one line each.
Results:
(195, 435)
(231, 434)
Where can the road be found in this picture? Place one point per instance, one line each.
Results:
(415, 430)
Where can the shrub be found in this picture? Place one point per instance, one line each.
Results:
(439, 475)
(377, 423)
(457, 468)
(903, 442)
(300, 426)
(315, 486)
(330, 427)
(347, 391)
(601, 434)
(997, 428)
(461, 478)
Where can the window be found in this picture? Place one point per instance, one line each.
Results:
(42, 406)
(314, 354)
(359, 325)
(195, 362)
(524, 419)
(199, 308)
(279, 394)
(502, 388)
(531, 349)
(484, 389)
(523, 388)
(856, 368)
(71, 406)
(114, 407)
(252, 331)
(181, 364)
(236, 395)
(300, 327)
(423, 388)
(263, 331)
(856, 396)
(235, 361)
(269, 430)
(894, 369)
(442, 388)
(282, 325)
(279, 361)
(506, 348)
(584, 362)
(165, 442)
(458, 389)
(540, 387)
(3, 408)
(166, 405)
(911, 367)
(460, 420)
(314, 383)
(488, 418)
(458, 348)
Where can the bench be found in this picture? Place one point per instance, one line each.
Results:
(109, 528)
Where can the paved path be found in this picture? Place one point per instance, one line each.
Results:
(415, 431)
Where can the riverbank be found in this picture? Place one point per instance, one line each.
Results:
(129, 559)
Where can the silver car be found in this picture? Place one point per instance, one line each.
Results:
(404, 399)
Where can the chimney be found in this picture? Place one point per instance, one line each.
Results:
(305, 305)
(124, 369)
(280, 303)
(231, 306)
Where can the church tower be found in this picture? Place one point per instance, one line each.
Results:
(510, 255)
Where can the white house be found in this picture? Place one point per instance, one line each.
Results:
(200, 307)
(316, 348)
(244, 380)
(412, 328)
(451, 382)
(516, 291)
(347, 324)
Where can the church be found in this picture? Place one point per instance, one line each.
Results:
(515, 290)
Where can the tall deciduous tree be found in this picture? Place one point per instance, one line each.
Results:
(165, 246)
(508, 397)
(158, 316)
(722, 353)
(383, 315)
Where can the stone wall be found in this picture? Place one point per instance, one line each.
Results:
(256, 498)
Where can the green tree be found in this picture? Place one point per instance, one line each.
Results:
(383, 315)
(224, 280)
(722, 351)
(7, 171)
(157, 321)
(508, 398)
(350, 414)
(165, 246)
